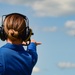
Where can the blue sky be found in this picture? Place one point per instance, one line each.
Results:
(53, 24)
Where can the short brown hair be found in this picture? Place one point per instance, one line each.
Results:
(14, 25)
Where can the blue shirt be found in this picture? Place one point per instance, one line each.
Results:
(15, 60)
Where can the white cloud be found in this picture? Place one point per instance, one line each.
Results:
(70, 27)
(71, 32)
(36, 69)
(45, 29)
(70, 24)
(47, 7)
(50, 29)
(66, 65)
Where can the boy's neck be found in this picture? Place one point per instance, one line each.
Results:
(18, 41)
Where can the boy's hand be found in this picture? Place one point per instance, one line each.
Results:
(37, 43)
(32, 40)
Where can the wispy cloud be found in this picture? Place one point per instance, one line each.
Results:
(45, 29)
(71, 32)
(70, 24)
(70, 27)
(47, 7)
(50, 29)
(36, 69)
(66, 65)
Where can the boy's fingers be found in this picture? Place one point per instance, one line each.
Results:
(38, 43)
